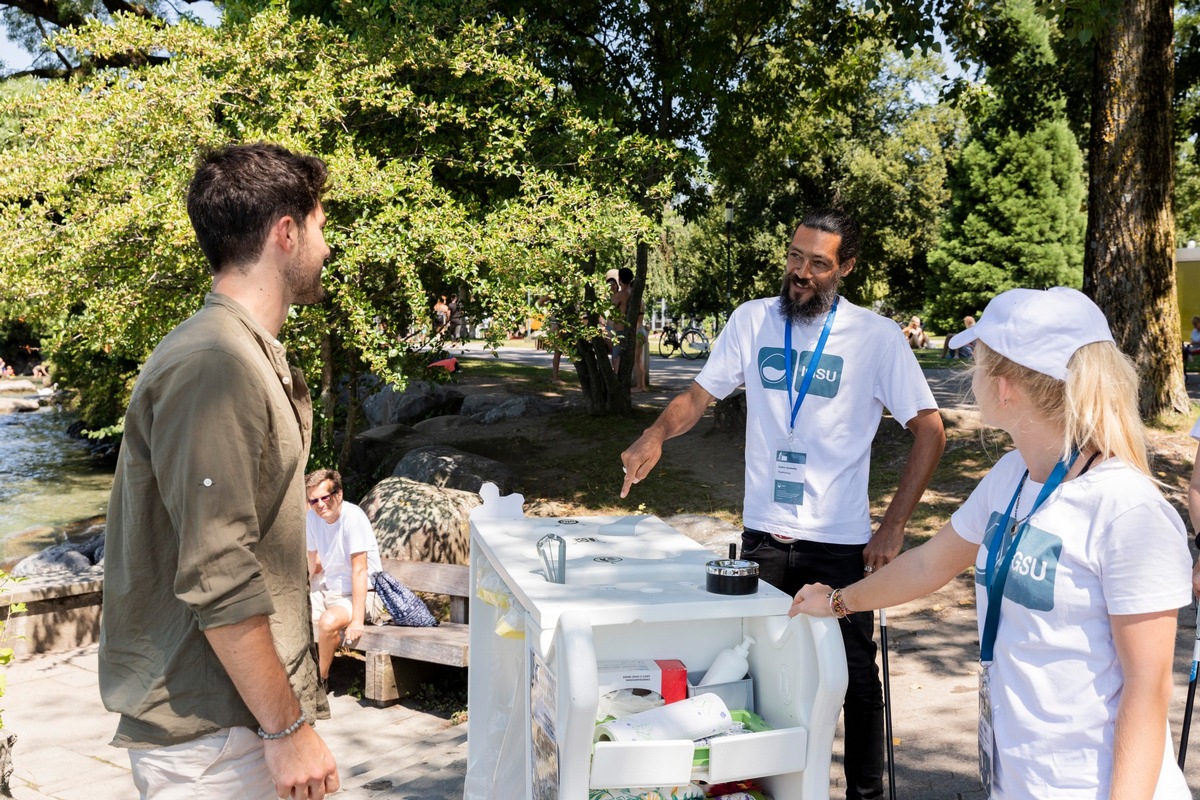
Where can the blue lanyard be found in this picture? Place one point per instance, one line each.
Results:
(812, 362)
(995, 578)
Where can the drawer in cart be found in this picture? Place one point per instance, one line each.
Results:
(762, 752)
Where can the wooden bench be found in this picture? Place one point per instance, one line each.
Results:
(399, 658)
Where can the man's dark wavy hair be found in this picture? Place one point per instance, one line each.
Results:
(240, 191)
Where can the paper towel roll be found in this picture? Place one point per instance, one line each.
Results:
(693, 718)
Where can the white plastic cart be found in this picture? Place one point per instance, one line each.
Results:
(635, 589)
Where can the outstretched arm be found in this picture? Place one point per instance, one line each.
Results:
(930, 441)
(678, 417)
(913, 574)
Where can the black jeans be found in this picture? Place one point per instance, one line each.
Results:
(789, 566)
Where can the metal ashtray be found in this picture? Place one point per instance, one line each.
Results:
(731, 576)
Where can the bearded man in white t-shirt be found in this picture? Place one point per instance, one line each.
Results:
(343, 556)
(808, 447)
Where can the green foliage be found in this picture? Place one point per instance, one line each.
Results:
(1187, 122)
(1015, 219)
(861, 140)
(453, 162)
(1187, 194)
(1016, 215)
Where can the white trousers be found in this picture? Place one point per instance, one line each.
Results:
(227, 764)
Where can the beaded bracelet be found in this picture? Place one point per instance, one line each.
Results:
(837, 605)
(286, 732)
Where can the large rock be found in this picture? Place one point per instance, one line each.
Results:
(516, 407)
(477, 404)
(445, 423)
(18, 387)
(11, 404)
(377, 446)
(68, 557)
(420, 400)
(440, 465)
(415, 521)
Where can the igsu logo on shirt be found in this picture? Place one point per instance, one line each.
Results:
(772, 371)
(1034, 566)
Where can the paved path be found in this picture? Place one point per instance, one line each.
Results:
(53, 706)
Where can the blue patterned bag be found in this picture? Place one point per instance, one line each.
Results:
(404, 606)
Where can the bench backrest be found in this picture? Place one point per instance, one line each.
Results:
(453, 580)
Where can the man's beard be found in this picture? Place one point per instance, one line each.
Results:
(305, 283)
(811, 309)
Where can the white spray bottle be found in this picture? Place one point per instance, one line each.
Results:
(730, 665)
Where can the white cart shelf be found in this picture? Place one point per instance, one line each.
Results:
(635, 588)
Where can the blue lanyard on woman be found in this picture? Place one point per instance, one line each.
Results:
(812, 362)
(994, 579)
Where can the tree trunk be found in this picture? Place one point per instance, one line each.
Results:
(1129, 264)
(603, 391)
(324, 435)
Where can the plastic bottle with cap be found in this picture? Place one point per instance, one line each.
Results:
(730, 665)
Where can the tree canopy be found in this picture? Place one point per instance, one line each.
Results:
(452, 160)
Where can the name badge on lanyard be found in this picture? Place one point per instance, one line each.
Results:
(1005, 538)
(791, 462)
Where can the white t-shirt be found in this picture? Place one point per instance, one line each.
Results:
(1196, 429)
(1103, 543)
(866, 366)
(352, 533)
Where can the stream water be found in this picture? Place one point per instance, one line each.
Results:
(48, 482)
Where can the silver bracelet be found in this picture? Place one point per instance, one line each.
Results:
(286, 732)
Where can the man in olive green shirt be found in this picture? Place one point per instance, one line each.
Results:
(205, 640)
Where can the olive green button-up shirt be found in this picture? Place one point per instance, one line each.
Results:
(205, 528)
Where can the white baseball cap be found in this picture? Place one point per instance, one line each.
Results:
(1039, 329)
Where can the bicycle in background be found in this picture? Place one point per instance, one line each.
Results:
(691, 343)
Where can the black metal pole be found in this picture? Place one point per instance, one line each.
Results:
(728, 261)
(887, 705)
(1191, 695)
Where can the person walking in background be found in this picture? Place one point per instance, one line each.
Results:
(454, 312)
(1080, 563)
(343, 556)
(206, 638)
(441, 315)
(818, 373)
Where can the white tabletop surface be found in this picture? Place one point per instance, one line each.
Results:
(618, 569)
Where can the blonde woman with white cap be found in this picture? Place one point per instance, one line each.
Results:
(1080, 564)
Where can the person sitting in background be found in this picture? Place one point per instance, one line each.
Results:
(342, 557)
(1192, 347)
(917, 338)
(967, 350)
